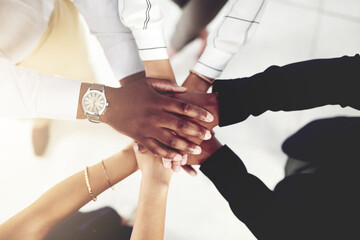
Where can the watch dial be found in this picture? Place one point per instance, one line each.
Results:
(94, 102)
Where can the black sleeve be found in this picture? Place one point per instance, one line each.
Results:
(251, 200)
(296, 86)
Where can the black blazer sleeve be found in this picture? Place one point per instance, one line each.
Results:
(252, 201)
(296, 86)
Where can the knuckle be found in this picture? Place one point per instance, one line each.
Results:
(182, 124)
(185, 107)
(171, 141)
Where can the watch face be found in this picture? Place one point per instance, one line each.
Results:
(94, 102)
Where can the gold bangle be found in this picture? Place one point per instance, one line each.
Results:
(203, 77)
(86, 173)
(107, 177)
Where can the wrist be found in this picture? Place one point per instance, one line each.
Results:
(132, 78)
(160, 180)
(195, 83)
(159, 69)
(110, 96)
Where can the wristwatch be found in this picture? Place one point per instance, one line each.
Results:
(94, 102)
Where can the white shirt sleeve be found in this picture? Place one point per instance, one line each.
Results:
(144, 18)
(28, 94)
(117, 41)
(232, 32)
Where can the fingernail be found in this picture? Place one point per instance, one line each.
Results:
(207, 135)
(196, 150)
(178, 158)
(177, 169)
(167, 163)
(209, 117)
(193, 173)
(183, 88)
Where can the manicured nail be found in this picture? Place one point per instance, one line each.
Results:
(196, 150)
(207, 135)
(209, 117)
(177, 168)
(178, 158)
(167, 163)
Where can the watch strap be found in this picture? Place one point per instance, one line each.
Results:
(93, 118)
(98, 87)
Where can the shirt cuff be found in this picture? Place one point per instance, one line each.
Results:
(58, 98)
(151, 44)
(123, 59)
(223, 168)
(212, 62)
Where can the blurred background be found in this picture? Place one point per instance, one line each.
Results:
(290, 31)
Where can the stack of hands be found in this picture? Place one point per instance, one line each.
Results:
(170, 121)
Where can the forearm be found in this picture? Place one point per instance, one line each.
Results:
(144, 18)
(150, 216)
(37, 220)
(229, 35)
(117, 41)
(195, 83)
(29, 94)
(250, 199)
(297, 86)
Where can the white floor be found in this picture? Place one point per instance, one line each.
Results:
(291, 30)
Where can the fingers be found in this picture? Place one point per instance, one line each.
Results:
(190, 170)
(187, 109)
(156, 148)
(176, 166)
(165, 85)
(170, 139)
(185, 127)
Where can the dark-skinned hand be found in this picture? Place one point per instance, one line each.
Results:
(139, 111)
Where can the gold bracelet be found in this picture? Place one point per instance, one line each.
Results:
(107, 178)
(86, 173)
(203, 77)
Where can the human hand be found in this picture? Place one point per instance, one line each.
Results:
(208, 102)
(143, 114)
(151, 166)
(195, 83)
(208, 148)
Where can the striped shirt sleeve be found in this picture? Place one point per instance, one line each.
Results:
(235, 28)
(117, 41)
(144, 18)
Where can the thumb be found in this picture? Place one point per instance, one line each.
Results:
(165, 85)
